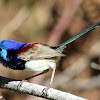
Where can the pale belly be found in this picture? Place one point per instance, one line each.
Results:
(40, 65)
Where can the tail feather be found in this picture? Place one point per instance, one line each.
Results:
(62, 46)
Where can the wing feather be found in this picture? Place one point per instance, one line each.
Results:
(38, 51)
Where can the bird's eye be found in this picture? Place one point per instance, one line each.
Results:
(0, 49)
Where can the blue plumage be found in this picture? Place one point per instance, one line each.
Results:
(11, 44)
(8, 54)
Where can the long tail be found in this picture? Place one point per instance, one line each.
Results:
(62, 46)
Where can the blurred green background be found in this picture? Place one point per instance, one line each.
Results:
(53, 22)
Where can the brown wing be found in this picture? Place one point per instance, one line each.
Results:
(37, 51)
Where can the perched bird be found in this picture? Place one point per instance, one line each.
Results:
(34, 56)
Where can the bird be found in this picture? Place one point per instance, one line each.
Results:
(35, 56)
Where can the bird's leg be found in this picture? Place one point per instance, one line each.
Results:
(51, 81)
(45, 71)
(50, 84)
(25, 80)
(52, 77)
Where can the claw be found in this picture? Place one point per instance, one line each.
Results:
(21, 82)
(45, 90)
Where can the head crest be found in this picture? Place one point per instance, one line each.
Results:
(11, 44)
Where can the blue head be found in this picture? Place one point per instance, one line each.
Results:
(9, 45)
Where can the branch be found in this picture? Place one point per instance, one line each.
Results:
(36, 90)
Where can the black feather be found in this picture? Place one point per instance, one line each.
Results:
(14, 62)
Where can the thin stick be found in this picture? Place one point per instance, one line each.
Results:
(37, 74)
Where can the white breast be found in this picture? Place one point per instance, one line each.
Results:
(39, 65)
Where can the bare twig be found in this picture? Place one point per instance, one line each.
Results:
(36, 90)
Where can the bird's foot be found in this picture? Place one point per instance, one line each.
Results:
(45, 90)
(21, 82)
